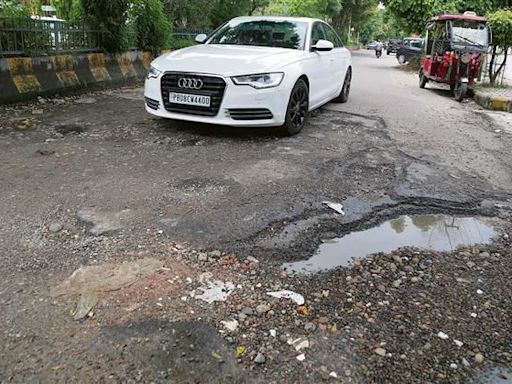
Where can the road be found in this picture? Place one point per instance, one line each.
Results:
(94, 180)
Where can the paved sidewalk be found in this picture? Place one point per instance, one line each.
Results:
(496, 99)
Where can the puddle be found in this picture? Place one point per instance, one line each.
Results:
(497, 375)
(433, 232)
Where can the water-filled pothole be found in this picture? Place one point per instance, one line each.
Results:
(433, 232)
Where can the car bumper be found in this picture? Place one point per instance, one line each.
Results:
(235, 97)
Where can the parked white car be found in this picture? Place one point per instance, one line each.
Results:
(252, 71)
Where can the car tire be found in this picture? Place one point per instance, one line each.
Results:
(297, 109)
(345, 90)
(423, 80)
(460, 91)
(401, 59)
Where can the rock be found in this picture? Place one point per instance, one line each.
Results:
(202, 257)
(458, 343)
(263, 308)
(453, 366)
(260, 358)
(380, 351)
(484, 255)
(381, 287)
(55, 227)
(479, 358)
(392, 267)
(470, 264)
(230, 325)
(247, 311)
(465, 362)
(323, 320)
(298, 344)
(273, 333)
(335, 376)
(310, 327)
(301, 357)
(37, 111)
(252, 259)
(215, 254)
(397, 283)
(242, 316)
(442, 335)
(415, 279)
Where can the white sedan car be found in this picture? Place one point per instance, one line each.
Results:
(252, 71)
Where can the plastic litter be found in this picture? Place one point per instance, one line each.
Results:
(335, 207)
(296, 297)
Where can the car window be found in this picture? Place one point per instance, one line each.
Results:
(332, 36)
(317, 33)
(264, 33)
(416, 44)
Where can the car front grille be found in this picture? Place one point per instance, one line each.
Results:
(249, 114)
(151, 103)
(212, 86)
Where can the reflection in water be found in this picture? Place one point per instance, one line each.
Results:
(434, 232)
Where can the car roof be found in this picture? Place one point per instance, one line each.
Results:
(458, 17)
(277, 18)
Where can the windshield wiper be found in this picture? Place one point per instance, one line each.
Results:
(469, 41)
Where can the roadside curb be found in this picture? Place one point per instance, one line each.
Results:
(25, 78)
(495, 103)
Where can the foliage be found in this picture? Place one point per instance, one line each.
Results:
(180, 43)
(311, 8)
(153, 29)
(413, 14)
(12, 9)
(223, 10)
(68, 9)
(189, 14)
(109, 16)
(501, 24)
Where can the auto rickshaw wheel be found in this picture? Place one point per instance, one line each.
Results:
(461, 89)
(423, 80)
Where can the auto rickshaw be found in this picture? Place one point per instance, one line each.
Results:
(455, 51)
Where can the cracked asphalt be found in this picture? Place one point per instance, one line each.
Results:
(92, 179)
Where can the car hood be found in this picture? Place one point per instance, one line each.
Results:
(227, 60)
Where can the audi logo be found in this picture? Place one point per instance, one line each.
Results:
(190, 83)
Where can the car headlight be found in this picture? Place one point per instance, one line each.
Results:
(260, 80)
(153, 73)
(465, 57)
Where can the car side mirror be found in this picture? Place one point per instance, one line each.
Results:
(323, 46)
(201, 38)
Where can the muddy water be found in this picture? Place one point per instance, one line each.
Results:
(433, 232)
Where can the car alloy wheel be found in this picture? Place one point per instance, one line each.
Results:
(298, 107)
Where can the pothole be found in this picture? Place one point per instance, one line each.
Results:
(432, 232)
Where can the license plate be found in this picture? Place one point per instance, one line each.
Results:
(188, 99)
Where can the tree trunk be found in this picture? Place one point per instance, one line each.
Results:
(492, 78)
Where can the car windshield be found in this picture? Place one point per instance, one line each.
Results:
(470, 33)
(263, 33)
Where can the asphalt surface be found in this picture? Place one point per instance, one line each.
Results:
(91, 179)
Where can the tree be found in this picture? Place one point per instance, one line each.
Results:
(109, 16)
(153, 30)
(223, 10)
(68, 9)
(501, 24)
(413, 14)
